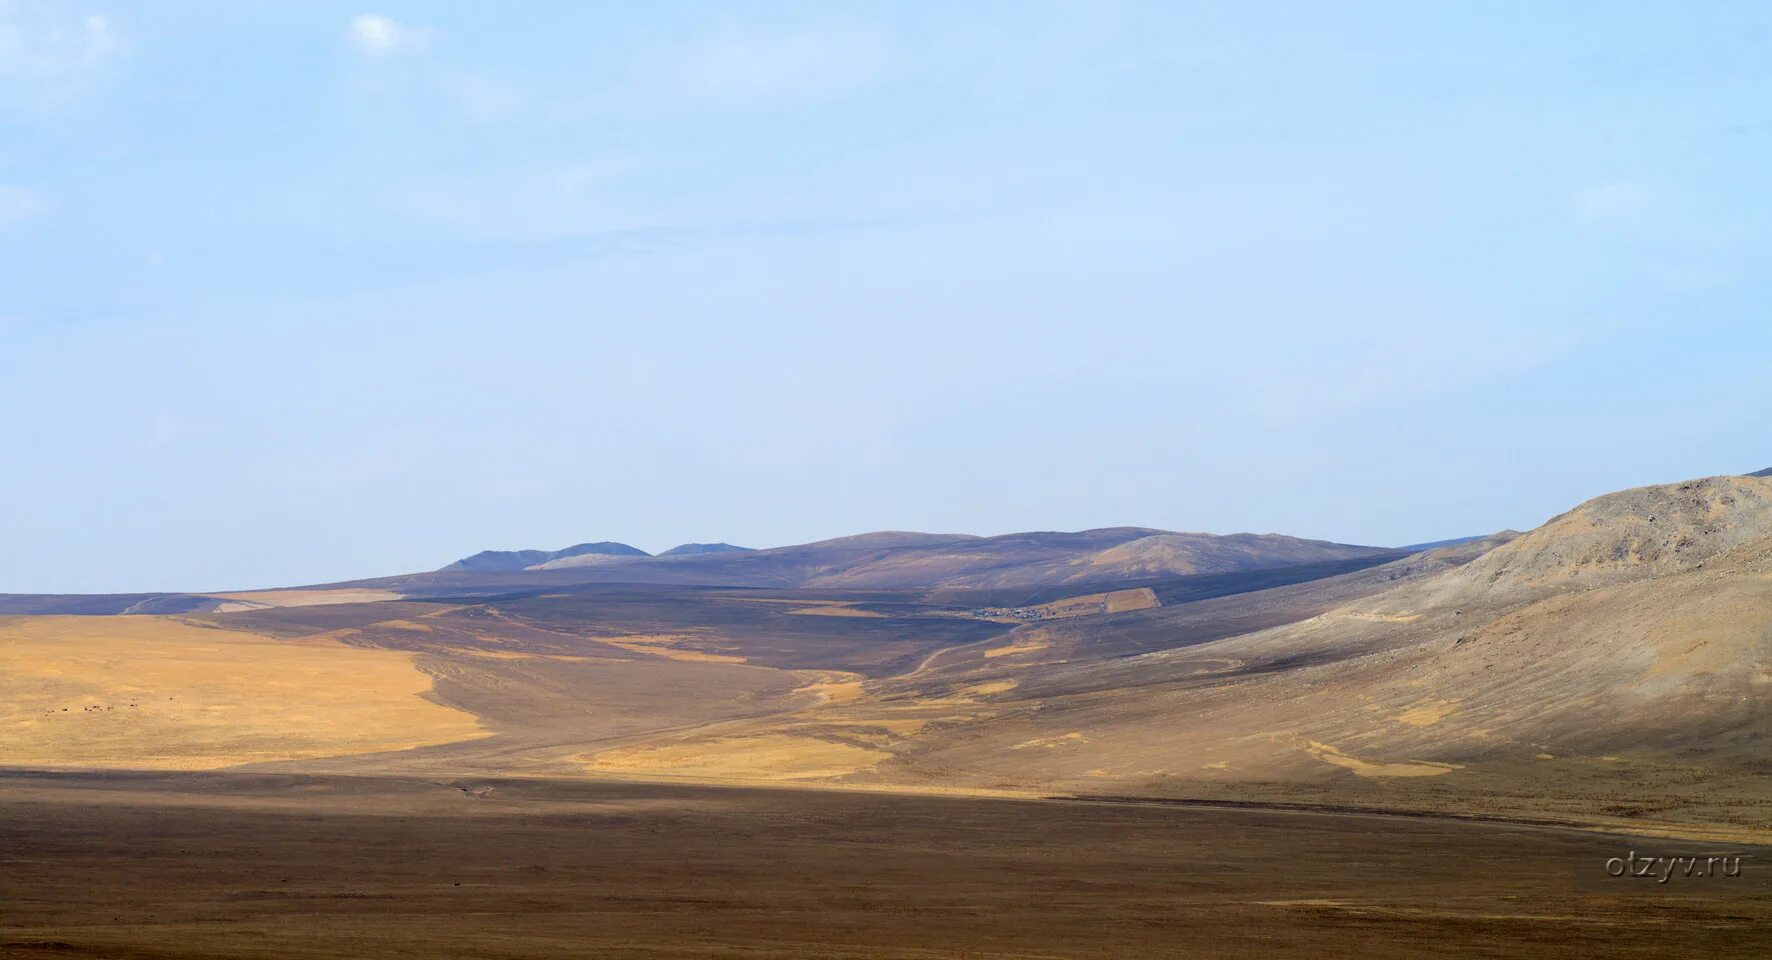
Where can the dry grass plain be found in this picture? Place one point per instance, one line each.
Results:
(234, 865)
(974, 773)
(155, 692)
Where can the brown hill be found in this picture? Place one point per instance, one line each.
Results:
(509, 560)
(1631, 535)
(897, 560)
(1110, 555)
(892, 560)
(1627, 642)
(1612, 667)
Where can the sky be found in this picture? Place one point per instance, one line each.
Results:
(303, 292)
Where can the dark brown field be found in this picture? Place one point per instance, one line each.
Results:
(255, 865)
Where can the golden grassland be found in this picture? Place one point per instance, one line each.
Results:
(669, 647)
(255, 599)
(156, 692)
(766, 757)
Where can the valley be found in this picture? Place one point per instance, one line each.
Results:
(1607, 669)
(1533, 699)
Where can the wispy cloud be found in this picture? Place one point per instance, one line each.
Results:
(48, 57)
(376, 36)
(18, 204)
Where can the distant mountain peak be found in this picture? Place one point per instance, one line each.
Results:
(1762, 473)
(700, 549)
(507, 560)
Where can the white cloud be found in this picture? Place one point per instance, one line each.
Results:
(753, 68)
(46, 58)
(374, 35)
(18, 204)
(1612, 201)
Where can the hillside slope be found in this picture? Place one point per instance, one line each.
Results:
(1612, 667)
(1625, 641)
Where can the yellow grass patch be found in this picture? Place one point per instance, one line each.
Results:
(833, 686)
(989, 687)
(1376, 617)
(1050, 742)
(306, 598)
(519, 655)
(815, 608)
(1017, 649)
(152, 692)
(667, 647)
(764, 757)
(1374, 768)
(897, 726)
(835, 610)
(1426, 713)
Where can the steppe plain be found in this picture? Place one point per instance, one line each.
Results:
(1122, 742)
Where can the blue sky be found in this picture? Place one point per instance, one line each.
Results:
(309, 291)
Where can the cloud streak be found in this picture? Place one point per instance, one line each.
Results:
(379, 37)
(47, 59)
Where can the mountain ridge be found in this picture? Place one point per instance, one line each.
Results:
(508, 560)
(900, 560)
(887, 560)
(702, 549)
